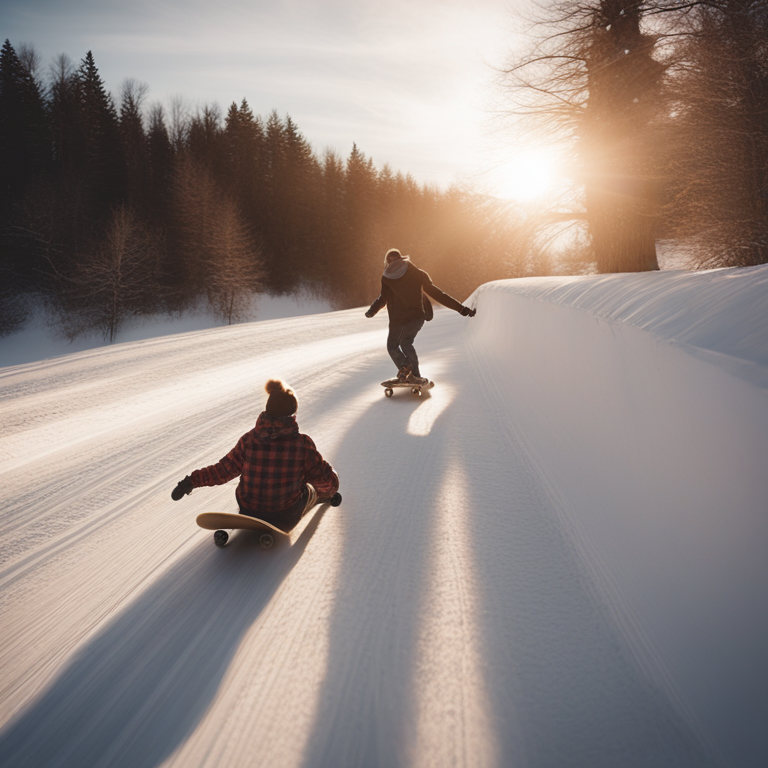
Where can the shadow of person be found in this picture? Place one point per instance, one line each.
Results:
(136, 690)
(367, 712)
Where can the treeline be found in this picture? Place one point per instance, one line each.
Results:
(109, 210)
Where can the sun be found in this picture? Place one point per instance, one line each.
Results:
(528, 176)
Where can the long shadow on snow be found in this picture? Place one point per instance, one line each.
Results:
(137, 690)
(563, 686)
(367, 702)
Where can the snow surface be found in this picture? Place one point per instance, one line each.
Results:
(557, 557)
(38, 340)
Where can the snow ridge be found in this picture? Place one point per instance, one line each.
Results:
(642, 400)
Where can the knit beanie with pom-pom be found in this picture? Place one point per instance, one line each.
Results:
(281, 400)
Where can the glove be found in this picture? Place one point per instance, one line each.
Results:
(467, 312)
(369, 313)
(182, 489)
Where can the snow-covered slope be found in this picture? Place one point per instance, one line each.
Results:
(558, 558)
(642, 401)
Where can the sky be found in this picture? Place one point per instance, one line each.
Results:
(413, 84)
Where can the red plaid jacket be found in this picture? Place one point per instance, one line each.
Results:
(273, 460)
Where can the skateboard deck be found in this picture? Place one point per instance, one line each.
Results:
(392, 384)
(220, 522)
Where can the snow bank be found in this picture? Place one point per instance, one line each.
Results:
(39, 341)
(644, 400)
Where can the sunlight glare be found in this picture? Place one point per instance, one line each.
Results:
(527, 176)
(424, 417)
(454, 719)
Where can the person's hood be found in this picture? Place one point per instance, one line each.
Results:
(272, 427)
(396, 268)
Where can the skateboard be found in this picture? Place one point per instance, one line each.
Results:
(220, 522)
(392, 384)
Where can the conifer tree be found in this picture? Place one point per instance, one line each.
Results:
(23, 130)
(64, 113)
(101, 156)
(160, 157)
(244, 137)
(24, 161)
(300, 189)
(332, 233)
(207, 142)
(272, 225)
(361, 251)
(134, 141)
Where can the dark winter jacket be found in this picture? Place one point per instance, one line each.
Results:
(273, 460)
(404, 299)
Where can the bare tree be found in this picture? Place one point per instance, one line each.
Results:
(30, 60)
(222, 260)
(115, 281)
(717, 134)
(232, 263)
(133, 94)
(594, 82)
(14, 308)
(179, 122)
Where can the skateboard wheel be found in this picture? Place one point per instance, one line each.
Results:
(389, 391)
(335, 499)
(266, 541)
(416, 391)
(220, 538)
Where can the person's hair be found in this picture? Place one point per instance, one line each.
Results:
(281, 401)
(391, 254)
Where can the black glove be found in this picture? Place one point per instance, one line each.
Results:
(182, 489)
(467, 312)
(369, 313)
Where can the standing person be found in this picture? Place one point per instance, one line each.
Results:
(282, 474)
(401, 290)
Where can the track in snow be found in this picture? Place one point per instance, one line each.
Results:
(438, 617)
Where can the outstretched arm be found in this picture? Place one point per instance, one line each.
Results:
(230, 467)
(380, 302)
(320, 473)
(447, 301)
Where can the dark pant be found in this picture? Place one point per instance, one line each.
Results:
(287, 519)
(400, 344)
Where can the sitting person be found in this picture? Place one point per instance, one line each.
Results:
(282, 474)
